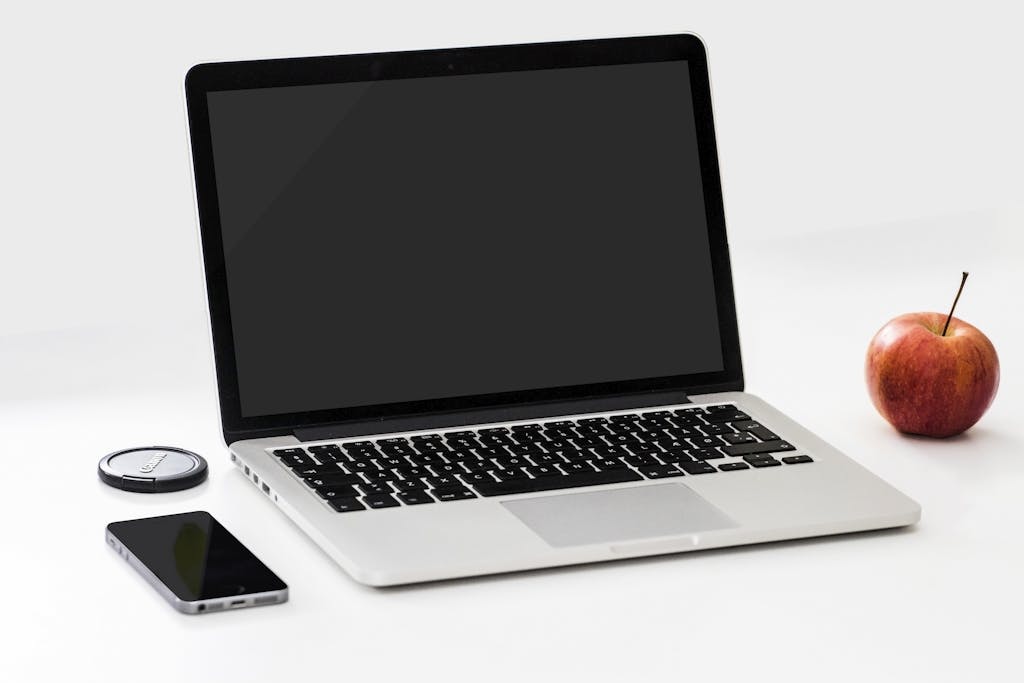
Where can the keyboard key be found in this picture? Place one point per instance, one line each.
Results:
(476, 464)
(797, 459)
(764, 462)
(572, 455)
(541, 471)
(757, 429)
(406, 485)
(315, 470)
(511, 461)
(412, 472)
(361, 466)
(611, 451)
(297, 461)
(453, 493)
(751, 448)
(690, 412)
(346, 504)
(484, 477)
(462, 442)
(442, 482)
(758, 456)
(356, 446)
(377, 476)
(557, 482)
(534, 427)
(381, 500)
(717, 429)
(639, 461)
(524, 449)
(492, 440)
(364, 455)
(706, 441)
(686, 420)
(415, 497)
(510, 474)
(738, 438)
(460, 454)
(391, 462)
(705, 453)
(325, 448)
(697, 467)
(423, 438)
(397, 449)
(285, 452)
(733, 466)
(325, 480)
(431, 447)
(488, 453)
(609, 464)
(332, 492)
(576, 467)
(727, 416)
(660, 472)
(528, 437)
(369, 489)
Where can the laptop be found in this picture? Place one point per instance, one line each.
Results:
(472, 312)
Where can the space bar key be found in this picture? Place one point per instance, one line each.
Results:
(504, 488)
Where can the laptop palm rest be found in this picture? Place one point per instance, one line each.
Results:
(618, 514)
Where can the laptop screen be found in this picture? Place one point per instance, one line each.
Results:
(452, 236)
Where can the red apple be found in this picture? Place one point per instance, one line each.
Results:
(931, 374)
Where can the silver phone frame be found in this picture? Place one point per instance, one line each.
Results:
(207, 606)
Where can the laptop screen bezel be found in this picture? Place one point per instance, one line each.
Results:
(211, 77)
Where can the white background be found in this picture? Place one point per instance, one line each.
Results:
(869, 152)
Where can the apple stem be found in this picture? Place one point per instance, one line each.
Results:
(950, 316)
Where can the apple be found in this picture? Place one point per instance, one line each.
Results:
(931, 373)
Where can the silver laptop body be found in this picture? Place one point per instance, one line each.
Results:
(472, 312)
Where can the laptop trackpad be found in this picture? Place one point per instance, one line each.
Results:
(618, 514)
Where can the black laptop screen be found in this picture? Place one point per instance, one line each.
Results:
(427, 238)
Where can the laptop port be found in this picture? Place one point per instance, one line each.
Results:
(266, 489)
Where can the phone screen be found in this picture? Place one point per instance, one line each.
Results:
(195, 556)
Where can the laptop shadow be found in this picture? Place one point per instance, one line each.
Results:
(616, 565)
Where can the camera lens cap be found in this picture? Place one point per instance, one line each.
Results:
(153, 469)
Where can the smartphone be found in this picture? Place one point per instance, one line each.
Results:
(195, 563)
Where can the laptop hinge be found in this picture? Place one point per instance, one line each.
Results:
(488, 415)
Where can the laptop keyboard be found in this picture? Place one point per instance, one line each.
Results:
(540, 456)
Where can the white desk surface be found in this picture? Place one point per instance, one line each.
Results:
(826, 117)
(939, 602)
